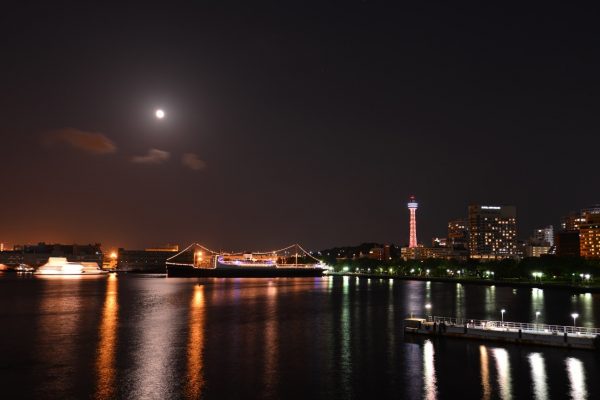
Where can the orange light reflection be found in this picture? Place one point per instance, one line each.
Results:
(107, 344)
(195, 381)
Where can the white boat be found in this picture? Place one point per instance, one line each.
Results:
(61, 266)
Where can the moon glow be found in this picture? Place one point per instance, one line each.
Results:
(160, 114)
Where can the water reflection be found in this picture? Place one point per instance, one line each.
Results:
(585, 305)
(485, 372)
(538, 375)
(195, 381)
(490, 301)
(537, 304)
(345, 356)
(413, 297)
(503, 369)
(60, 318)
(391, 327)
(271, 340)
(429, 378)
(156, 340)
(459, 301)
(107, 343)
(576, 378)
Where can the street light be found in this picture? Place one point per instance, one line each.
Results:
(537, 314)
(502, 311)
(428, 308)
(574, 316)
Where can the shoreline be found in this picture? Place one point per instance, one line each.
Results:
(476, 281)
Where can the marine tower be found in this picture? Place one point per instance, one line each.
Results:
(412, 208)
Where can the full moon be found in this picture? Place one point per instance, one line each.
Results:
(160, 114)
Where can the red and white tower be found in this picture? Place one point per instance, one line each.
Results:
(412, 207)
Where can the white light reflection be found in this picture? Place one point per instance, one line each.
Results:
(345, 356)
(586, 306)
(346, 284)
(459, 301)
(538, 376)
(576, 378)
(503, 368)
(491, 309)
(537, 304)
(429, 379)
(155, 343)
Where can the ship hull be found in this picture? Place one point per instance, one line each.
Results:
(242, 272)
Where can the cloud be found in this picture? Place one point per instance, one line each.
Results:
(154, 156)
(91, 142)
(192, 161)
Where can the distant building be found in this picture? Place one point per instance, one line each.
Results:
(533, 250)
(492, 232)
(166, 247)
(458, 239)
(570, 241)
(543, 236)
(567, 243)
(572, 221)
(151, 260)
(589, 236)
(540, 243)
(423, 253)
(38, 254)
(375, 253)
(439, 242)
(387, 252)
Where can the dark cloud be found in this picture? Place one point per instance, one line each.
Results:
(91, 142)
(154, 156)
(192, 161)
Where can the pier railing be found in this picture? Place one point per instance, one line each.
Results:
(515, 326)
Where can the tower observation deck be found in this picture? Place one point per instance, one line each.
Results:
(412, 208)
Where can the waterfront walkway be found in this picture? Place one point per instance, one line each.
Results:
(508, 326)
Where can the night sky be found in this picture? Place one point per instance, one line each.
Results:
(291, 121)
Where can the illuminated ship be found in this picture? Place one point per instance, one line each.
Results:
(197, 260)
(60, 266)
(247, 260)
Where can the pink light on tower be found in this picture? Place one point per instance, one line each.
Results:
(412, 207)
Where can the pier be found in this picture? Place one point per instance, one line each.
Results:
(505, 331)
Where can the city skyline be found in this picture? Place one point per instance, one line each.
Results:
(523, 237)
(272, 133)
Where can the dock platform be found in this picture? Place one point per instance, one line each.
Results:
(504, 331)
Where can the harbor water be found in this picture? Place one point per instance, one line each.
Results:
(134, 336)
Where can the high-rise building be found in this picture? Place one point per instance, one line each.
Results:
(412, 208)
(589, 236)
(569, 241)
(492, 231)
(458, 234)
(572, 221)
